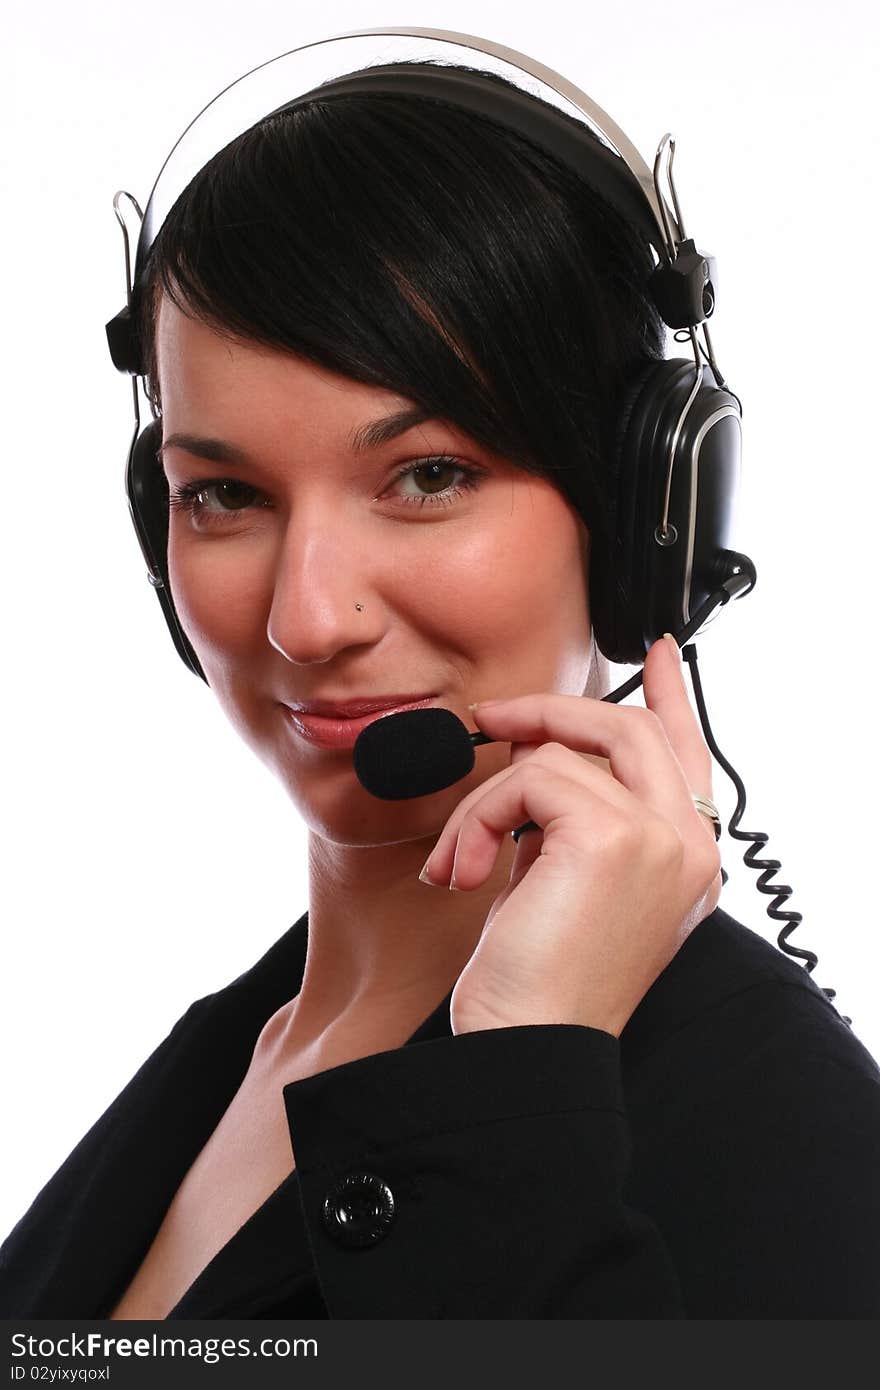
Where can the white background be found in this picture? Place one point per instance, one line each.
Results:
(149, 857)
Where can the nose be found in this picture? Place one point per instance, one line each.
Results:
(325, 594)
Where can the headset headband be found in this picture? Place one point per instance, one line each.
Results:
(683, 283)
(558, 133)
(623, 163)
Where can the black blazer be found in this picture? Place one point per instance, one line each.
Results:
(719, 1160)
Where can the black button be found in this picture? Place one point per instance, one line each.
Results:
(358, 1210)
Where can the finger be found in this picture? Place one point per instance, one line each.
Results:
(666, 694)
(578, 825)
(632, 739)
(528, 849)
(518, 751)
(550, 758)
(559, 758)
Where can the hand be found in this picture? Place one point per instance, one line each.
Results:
(601, 898)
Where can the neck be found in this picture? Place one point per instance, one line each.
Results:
(383, 948)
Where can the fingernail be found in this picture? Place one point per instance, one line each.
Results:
(670, 638)
(453, 887)
(481, 704)
(424, 876)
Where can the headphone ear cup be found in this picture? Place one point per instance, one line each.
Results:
(613, 589)
(147, 489)
(649, 586)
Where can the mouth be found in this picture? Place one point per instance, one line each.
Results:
(337, 731)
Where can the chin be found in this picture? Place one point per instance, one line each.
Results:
(348, 815)
(324, 788)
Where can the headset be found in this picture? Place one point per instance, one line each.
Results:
(677, 453)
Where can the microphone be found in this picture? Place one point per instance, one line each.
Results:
(414, 752)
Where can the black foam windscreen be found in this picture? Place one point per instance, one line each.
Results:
(412, 753)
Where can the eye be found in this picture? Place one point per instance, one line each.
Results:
(193, 498)
(229, 493)
(431, 472)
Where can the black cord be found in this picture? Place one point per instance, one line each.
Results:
(767, 867)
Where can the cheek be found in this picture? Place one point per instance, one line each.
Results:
(520, 583)
(222, 593)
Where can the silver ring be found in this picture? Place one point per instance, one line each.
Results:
(706, 807)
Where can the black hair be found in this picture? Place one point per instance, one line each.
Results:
(413, 245)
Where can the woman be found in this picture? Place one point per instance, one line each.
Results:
(387, 340)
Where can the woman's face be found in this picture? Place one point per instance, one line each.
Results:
(471, 573)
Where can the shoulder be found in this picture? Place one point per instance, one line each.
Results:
(733, 990)
(140, 1139)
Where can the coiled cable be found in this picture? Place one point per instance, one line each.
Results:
(765, 868)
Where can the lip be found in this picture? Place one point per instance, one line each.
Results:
(337, 731)
(353, 709)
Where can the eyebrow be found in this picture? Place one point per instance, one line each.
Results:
(387, 427)
(368, 436)
(217, 450)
